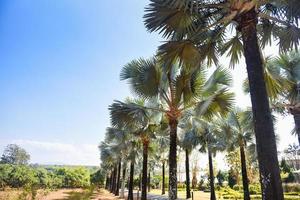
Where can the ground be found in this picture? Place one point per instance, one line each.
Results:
(79, 194)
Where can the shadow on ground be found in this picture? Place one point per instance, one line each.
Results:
(83, 195)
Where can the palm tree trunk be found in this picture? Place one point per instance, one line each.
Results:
(244, 173)
(118, 179)
(107, 182)
(163, 179)
(111, 180)
(211, 177)
(173, 160)
(114, 180)
(130, 185)
(297, 126)
(149, 180)
(145, 165)
(123, 180)
(264, 130)
(187, 174)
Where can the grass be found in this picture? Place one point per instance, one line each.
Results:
(182, 194)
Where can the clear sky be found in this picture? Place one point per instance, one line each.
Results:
(59, 70)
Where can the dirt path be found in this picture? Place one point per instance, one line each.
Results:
(79, 194)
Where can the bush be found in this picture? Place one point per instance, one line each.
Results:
(291, 187)
(180, 185)
(231, 179)
(254, 189)
(74, 177)
(17, 176)
(20, 176)
(98, 178)
(238, 188)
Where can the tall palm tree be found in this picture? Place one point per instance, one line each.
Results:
(118, 140)
(109, 157)
(239, 133)
(282, 76)
(133, 115)
(177, 89)
(205, 29)
(211, 141)
(188, 142)
(289, 64)
(134, 147)
(162, 143)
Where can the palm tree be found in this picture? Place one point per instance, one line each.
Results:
(189, 141)
(143, 122)
(211, 141)
(118, 140)
(134, 147)
(177, 89)
(239, 132)
(108, 156)
(290, 70)
(205, 29)
(162, 143)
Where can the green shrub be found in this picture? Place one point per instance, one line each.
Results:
(291, 187)
(181, 185)
(254, 189)
(17, 176)
(238, 187)
(98, 178)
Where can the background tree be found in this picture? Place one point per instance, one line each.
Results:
(211, 141)
(14, 154)
(144, 123)
(289, 66)
(238, 128)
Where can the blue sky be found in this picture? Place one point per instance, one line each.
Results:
(59, 70)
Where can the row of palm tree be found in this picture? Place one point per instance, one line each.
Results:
(173, 86)
(199, 30)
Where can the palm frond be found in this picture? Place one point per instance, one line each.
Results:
(221, 102)
(127, 115)
(143, 76)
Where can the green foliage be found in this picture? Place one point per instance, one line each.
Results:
(237, 187)
(74, 177)
(13, 154)
(21, 176)
(231, 179)
(254, 189)
(285, 168)
(290, 178)
(221, 176)
(291, 187)
(98, 178)
(155, 180)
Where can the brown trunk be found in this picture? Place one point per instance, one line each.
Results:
(244, 173)
(173, 160)
(111, 180)
(118, 179)
(187, 174)
(264, 130)
(297, 126)
(130, 185)
(145, 164)
(114, 180)
(123, 179)
(107, 182)
(211, 177)
(149, 180)
(163, 178)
